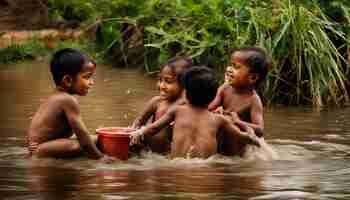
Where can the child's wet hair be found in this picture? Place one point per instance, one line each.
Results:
(200, 85)
(257, 60)
(67, 61)
(178, 65)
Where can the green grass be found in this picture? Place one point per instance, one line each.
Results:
(19, 52)
(35, 48)
(306, 39)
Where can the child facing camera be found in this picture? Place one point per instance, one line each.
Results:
(238, 98)
(170, 93)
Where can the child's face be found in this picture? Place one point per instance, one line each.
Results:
(229, 74)
(241, 76)
(84, 79)
(168, 84)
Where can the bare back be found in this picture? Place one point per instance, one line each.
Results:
(195, 127)
(195, 130)
(50, 121)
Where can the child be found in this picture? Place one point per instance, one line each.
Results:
(58, 117)
(239, 97)
(228, 74)
(170, 94)
(195, 128)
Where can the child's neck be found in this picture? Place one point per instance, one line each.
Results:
(195, 107)
(244, 89)
(61, 89)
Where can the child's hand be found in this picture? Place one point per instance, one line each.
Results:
(134, 126)
(219, 110)
(107, 159)
(252, 138)
(234, 116)
(241, 125)
(136, 136)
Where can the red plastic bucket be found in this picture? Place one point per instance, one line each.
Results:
(114, 141)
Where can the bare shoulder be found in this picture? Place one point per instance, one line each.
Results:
(67, 98)
(224, 87)
(181, 101)
(256, 100)
(181, 106)
(183, 110)
(154, 101)
(178, 107)
(63, 99)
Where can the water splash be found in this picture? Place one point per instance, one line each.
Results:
(265, 152)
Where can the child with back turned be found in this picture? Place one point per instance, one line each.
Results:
(58, 117)
(170, 93)
(238, 96)
(195, 128)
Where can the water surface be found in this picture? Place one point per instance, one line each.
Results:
(311, 147)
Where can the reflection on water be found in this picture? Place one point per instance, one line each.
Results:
(306, 155)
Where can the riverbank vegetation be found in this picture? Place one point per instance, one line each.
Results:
(35, 48)
(307, 39)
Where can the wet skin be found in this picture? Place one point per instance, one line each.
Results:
(237, 97)
(170, 93)
(58, 118)
(195, 131)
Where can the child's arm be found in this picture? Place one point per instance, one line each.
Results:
(242, 133)
(256, 117)
(155, 127)
(217, 100)
(149, 110)
(72, 111)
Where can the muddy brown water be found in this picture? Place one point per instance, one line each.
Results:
(310, 148)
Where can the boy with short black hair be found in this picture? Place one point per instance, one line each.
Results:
(238, 97)
(195, 128)
(58, 117)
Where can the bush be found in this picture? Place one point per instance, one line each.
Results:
(20, 52)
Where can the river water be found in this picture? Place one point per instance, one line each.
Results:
(308, 153)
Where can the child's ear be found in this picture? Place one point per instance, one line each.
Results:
(67, 81)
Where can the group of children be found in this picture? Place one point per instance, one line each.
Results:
(191, 117)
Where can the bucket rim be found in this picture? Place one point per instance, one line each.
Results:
(111, 131)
